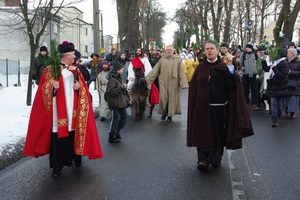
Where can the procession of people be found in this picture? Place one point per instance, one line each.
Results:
(223, 83)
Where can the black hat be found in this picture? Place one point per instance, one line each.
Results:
(94, 54)
(43, 48)
(292, 44)
(261, 48)
(66, 47)
(224, 45)
(77, 53)
(249, 46)
(116, 65)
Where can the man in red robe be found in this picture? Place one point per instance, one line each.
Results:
(217, 110)
(62, 121)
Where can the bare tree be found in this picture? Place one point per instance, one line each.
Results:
(286, 21)
(153, 20)
(32, 17)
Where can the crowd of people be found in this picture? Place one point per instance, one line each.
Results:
(222, 84)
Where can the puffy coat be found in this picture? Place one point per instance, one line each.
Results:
(279, 82)
(295, 75)
(116, 95)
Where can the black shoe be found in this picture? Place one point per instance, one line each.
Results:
(102, 118)
(118, 135)
(169, 119)
(203, 166)
(293, 116)
(163, 117)
(56, 173)
(286, 111)
(276, 123)
(113, 139)
(77, 161)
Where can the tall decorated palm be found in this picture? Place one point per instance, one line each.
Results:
(55, 64)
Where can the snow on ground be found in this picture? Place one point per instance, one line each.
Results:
(14, 114)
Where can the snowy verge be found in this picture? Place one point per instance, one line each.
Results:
(14, 118)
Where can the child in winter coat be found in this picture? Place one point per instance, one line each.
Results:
(117, 101)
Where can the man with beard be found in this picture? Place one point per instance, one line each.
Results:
(171, 77)
(125, 62)
(140, 60)
(217, 111)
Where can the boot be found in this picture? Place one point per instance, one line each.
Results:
(118, 135)
(113, 139)
(266, 104)
(255, 108)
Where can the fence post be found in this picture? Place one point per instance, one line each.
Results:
(19, 82)
(6, 72)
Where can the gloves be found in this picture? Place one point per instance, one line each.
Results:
(257, 76)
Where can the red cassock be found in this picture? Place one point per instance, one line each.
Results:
(40, 124)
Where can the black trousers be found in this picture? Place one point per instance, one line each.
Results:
(62, 151)
(213, 154)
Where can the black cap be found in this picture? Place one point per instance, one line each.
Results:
(249, 46)
(292, 44)
(43, 48)
(77, 53)
(117, 65)
(261, 48)
(66, 47)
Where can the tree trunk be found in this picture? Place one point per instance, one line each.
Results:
(228, 10)
(129, 20)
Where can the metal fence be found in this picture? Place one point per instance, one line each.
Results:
(13, 73)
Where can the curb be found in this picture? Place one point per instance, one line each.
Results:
(13, 152)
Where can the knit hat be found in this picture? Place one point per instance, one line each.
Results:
(43, 48)
(117, 65)
(77, 53)
(261, 48)
(249, 46)
(105, 62)
(66, 47)
(292, 51)
(292, 44)
(262, 41)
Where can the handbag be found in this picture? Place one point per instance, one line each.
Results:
(293, 83)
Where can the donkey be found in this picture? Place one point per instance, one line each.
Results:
(139, 93)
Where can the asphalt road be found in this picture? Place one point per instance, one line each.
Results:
(153, 162)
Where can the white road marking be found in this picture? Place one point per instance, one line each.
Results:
(236, 178)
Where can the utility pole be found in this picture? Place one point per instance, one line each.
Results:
(96, 12)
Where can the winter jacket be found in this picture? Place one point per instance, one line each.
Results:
(39, 64)
(110, 58)
(116, 95)
(278, 83)
(294, 66)
(95, 68)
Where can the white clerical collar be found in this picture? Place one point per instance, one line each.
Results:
(213, 61)
(64, 64)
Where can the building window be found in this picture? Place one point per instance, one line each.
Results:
(86, 31)
(86, 48)
(55, 27)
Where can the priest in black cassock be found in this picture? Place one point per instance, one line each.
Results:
(217, 111)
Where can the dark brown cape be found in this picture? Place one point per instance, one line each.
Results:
(198, 124)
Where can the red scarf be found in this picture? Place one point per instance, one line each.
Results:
(137, 63)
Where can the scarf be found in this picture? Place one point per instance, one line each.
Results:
(95, 61)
